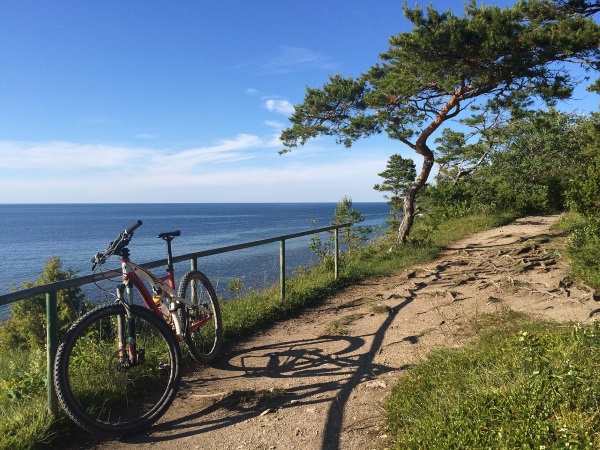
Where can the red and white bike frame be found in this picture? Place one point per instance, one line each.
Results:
(163, 287)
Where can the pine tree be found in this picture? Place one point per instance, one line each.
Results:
(397, 178)
(492, 58)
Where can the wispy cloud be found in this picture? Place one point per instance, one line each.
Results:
(243, 168)
(226, 151)
(274, 124)
(279, 106)
(273, 103)
(288, 59)
(66, 156)
(274, 141)
(73, 157)
(294, 59)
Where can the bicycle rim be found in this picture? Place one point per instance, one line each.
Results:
(203, 334)
(106, 391)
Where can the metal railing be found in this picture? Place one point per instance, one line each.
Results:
(51, 290)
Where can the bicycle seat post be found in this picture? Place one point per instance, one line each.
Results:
(168, 237)
(168, 240)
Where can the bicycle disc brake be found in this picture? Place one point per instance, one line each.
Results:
(122, 370)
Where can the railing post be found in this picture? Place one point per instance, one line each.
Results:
(336, 253)
(51, 345)
(282, 269)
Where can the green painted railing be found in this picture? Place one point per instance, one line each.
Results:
(51, 290)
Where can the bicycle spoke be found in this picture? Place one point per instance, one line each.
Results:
(204, 333)
(117, 389)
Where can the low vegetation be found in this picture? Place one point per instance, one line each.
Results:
(24, 421)
(583, 247)
(520, 384)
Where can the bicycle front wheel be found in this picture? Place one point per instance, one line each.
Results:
(203, 334)
(106, 384)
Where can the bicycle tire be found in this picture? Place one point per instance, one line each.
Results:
(96, 386)
(203, 334)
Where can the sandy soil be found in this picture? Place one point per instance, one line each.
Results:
(319, 381)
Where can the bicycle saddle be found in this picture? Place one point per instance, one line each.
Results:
(169, 234)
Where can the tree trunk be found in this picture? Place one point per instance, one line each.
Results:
(428, 159)
(409, 201)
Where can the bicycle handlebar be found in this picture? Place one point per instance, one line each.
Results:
(134, 226)
(119, 243)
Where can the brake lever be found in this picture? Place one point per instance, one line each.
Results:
(125, 236)
(98, 259)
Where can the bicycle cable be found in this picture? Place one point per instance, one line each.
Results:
(116, 247)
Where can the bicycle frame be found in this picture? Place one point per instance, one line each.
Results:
(163, 286)
(132, 277)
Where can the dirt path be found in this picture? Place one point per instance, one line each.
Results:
(320, 381)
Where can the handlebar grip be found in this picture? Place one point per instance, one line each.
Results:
(134, 226)
(117, 245)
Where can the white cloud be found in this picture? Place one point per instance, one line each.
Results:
(65, 156)
(293, 59)
(274, 141)
(279, 106)
(287, 59)
(219, 173)
(228, 150)
(273, 103)
(275, 124)
(73, 157)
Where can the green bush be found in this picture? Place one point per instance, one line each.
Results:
(350, 238)
(542, 162)
(26, 328)
(583, 194)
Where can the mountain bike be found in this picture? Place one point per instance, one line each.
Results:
(118, 368)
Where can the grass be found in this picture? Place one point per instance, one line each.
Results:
(583, 247)
(520, 384)
(338, 326)
(262, 399)
(241, 317)
(381, 309)
(23, 400)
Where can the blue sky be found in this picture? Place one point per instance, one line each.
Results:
(156, 101)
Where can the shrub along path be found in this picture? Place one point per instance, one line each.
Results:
(320, 380)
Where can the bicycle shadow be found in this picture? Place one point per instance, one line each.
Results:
(304, 361)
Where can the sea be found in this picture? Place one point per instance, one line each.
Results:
(30, 234)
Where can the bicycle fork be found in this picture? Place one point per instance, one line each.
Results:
(128, 353)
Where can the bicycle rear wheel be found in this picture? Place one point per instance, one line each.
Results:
(108, 389)
(203, 334)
